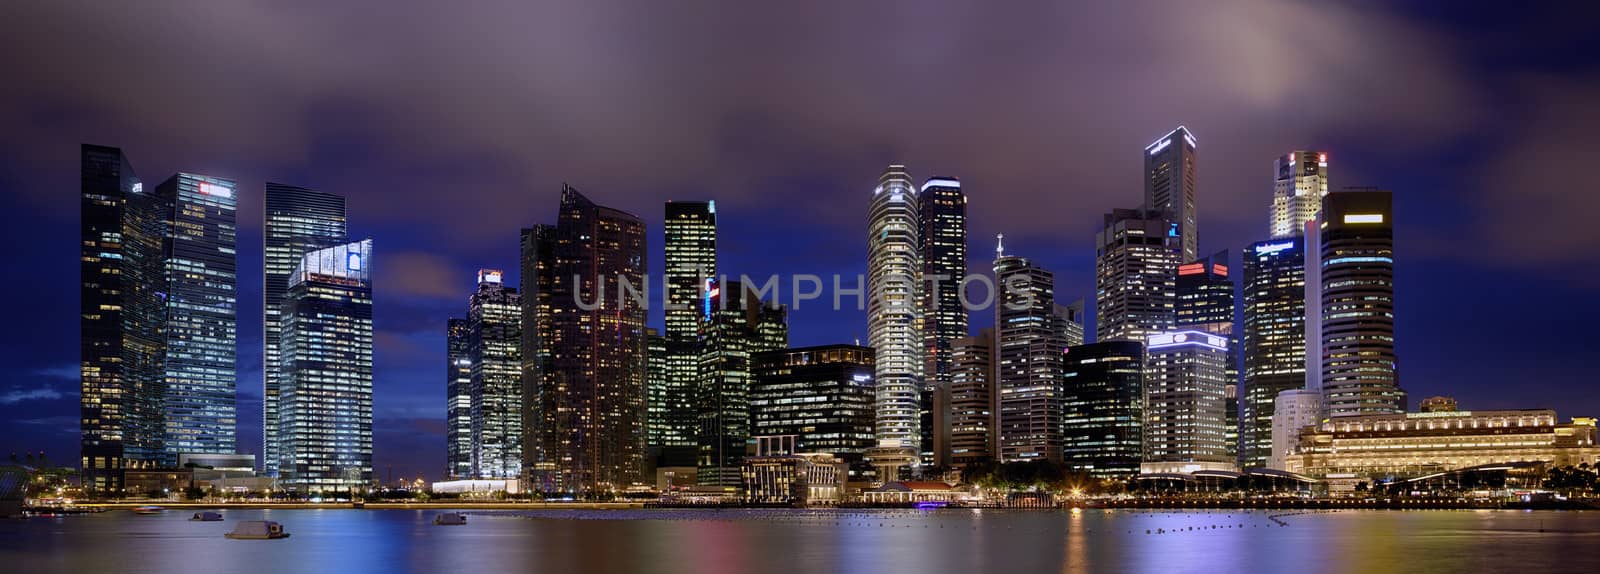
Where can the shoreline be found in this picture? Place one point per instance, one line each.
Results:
(1118, 505)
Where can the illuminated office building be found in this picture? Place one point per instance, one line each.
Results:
(894, 319)
(1031, 336)
(1185, 403)
(1205, 302)
(1169, 186)
(535, 261)
(298, 220)
(325, 441)
(1359, 371)
(737, 326)
(972, 399)
(494, 336)
(943, 233)
(1274, 338)
(201, 361)
(1136, 259)
(820, 395)
(1297, 192)
(590, 359)
(1103, 408)
(691, 259)
(458, 399)
(122, 320)
(656, 389)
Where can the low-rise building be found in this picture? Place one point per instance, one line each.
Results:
(777, 475)
(1350, 450)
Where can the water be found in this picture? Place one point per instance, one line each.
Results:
(780, 541)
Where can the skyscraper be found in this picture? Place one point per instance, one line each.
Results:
(942, 229)
(1274, 338)
(592, 354)
(1297, 192)
(1185, 403)
(972, 399)
(822, 395)
(458, 400)
(537, 245)
(298, 220)
(894, 319)
(1205, 303)
(1359, 371)
(656, 389)
(1103, 408)
(325, 397)
(494, 335)
(737, 326)
(1031, 337)
(691, 259)
(1136, 257)
(122, 319)
(1169, 186)
(202, 316)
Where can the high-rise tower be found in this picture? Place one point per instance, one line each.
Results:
(1297, 192)
(737, 326)
(1031, 336)
(691, 259)
(458, 399)
(894, 318)
(298, 220)
(494, 336)
(1185, 402)
(1136, 258)
(1274, 338)
(1103, 408)
(1359, 372)
(1169, 186)
(942, 230)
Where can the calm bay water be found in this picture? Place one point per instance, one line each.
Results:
(780, 541)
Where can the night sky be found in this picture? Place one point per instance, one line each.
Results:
(449, 130)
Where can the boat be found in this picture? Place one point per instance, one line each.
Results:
(450, 519)
(257, 530)
(206, 517)
(147, 510)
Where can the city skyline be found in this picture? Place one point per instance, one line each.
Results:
(764, 209)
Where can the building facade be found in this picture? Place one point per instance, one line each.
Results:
(590, 359)
(943, 233)
(326, 352)
(458, 399)
(737, 326)
(823, 396)
(202, 322)
(972, 400)
(1293, 411)
(298, 220)
(1185, 398)
(894, 319)
(494, 337)
(691, 260)
(1103, 408)
(1297, 192)
(1274, 338)
(1204, 302)
(1136, 262)
(122, 320)
(1031, 336)
(1405, 445)
(1360, 372)
(1169, 186)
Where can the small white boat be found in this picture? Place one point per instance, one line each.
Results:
(147, 510)
(206, 517)
(450, 519)
(257, 530)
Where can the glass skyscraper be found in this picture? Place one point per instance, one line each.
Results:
(122, 319)
(1204, 302)
(1185, 403)
(1103, 408)
(821, 395)
(298, 220)
(1359, 371)
(494, 337)
(1031, 336)
(1169, 186)
(202, 316)
(1274, 338)
(326, 353)
(738, 325)
(458, 399)
(943, 231)
(691, 259)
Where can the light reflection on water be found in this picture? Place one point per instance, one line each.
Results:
(780, 541)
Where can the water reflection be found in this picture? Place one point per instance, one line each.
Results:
(852, 541)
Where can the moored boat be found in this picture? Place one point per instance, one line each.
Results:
(257, 530)
(450, 519)
(206, 517)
